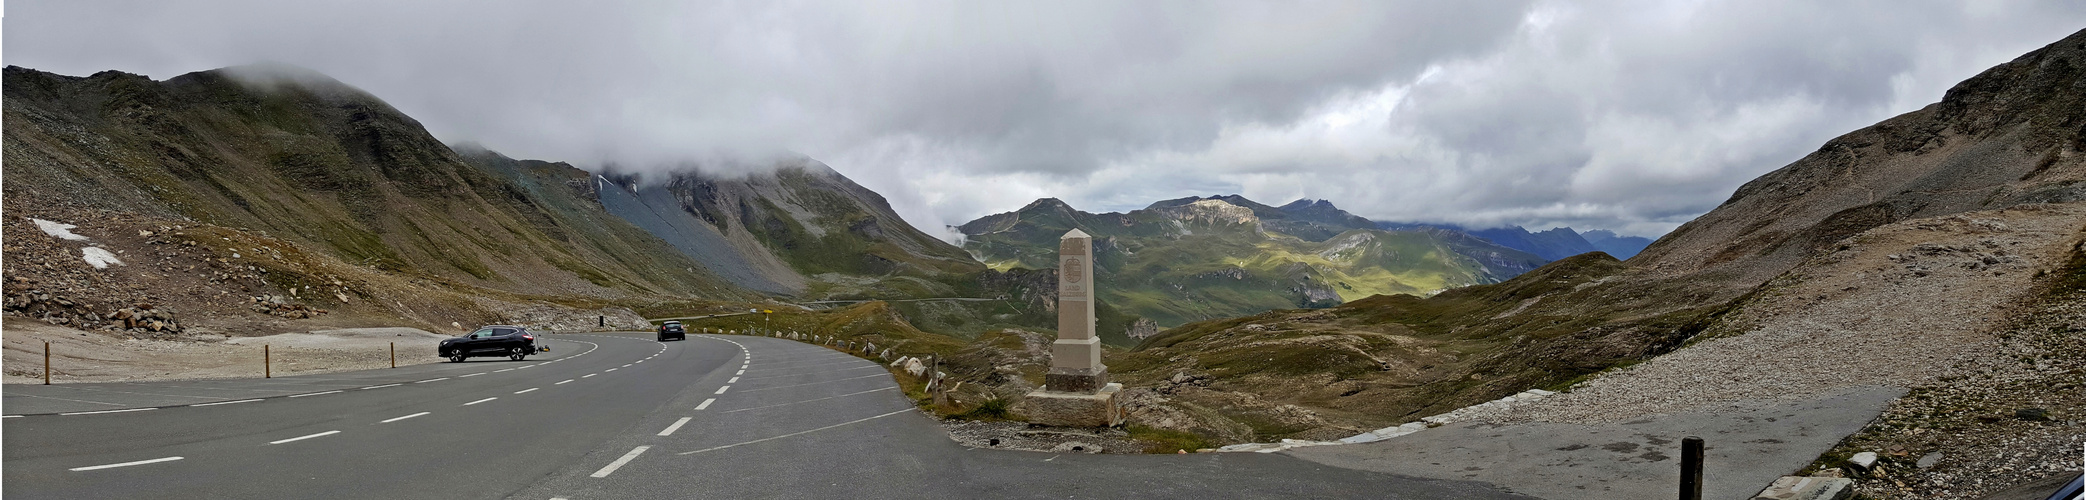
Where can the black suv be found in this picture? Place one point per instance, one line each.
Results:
(514, 342)
(672, 329)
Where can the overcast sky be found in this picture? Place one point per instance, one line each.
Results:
(1632, 116)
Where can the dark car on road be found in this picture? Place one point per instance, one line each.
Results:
(511, 341)
(673, 330)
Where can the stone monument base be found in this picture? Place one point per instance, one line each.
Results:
(1101, 408)
(1079, 380)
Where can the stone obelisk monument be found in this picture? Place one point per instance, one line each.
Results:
(1076, 391)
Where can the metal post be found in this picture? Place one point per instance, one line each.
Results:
(267, 366)
(1691, 468)
(394, 355)
(47, 362)
(601, 321)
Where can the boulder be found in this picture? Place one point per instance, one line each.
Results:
(1808, 488)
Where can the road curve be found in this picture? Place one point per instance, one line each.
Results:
(603, 416)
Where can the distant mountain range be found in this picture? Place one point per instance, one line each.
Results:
(1193, 258)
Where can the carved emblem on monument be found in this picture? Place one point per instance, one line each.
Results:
(1073, 271)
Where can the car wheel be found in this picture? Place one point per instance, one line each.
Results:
(516, 353)
(456, 357)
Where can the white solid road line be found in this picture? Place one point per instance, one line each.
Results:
(479, 401)
(432, 380)
(106, 411)
(677, 426)
(721, 390)
(798, 433)
(226, 402)
(706, 403)
(810, 400)
(316, 394)
(125, 464)
(381, 386)
(822, 382)
(618, 464)
(527, 390)
(563, 383)
(301, 438)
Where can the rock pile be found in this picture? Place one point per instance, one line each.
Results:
(274, 305)
(145, 317)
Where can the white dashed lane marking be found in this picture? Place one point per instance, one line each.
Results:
(125, 464)
(618, 464)
(316, 394)
(721, 390)
(395, 419)
(432, 380)
(301, 438)
(479, 401)
(677, 426)
(381, 386)
(734, 380)
(706, 403)
(526, 390)
(588, 375)
(563, 383)
(471, 375)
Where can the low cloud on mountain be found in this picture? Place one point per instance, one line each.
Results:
(1633, 116)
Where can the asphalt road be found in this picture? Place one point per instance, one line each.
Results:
(602, 416)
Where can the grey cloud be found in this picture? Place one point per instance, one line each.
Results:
(1626, 115)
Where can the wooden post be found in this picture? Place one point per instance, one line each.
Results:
(47, 362)
(267, 365)
(394, 355)
(1691, 468)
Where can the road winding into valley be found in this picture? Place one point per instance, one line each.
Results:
(601, 416)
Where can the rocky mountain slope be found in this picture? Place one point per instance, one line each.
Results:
(1191, 259)
(279, 182)
(1554, 243)
(795, 227)
(1619, 246)
(1975, 198)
